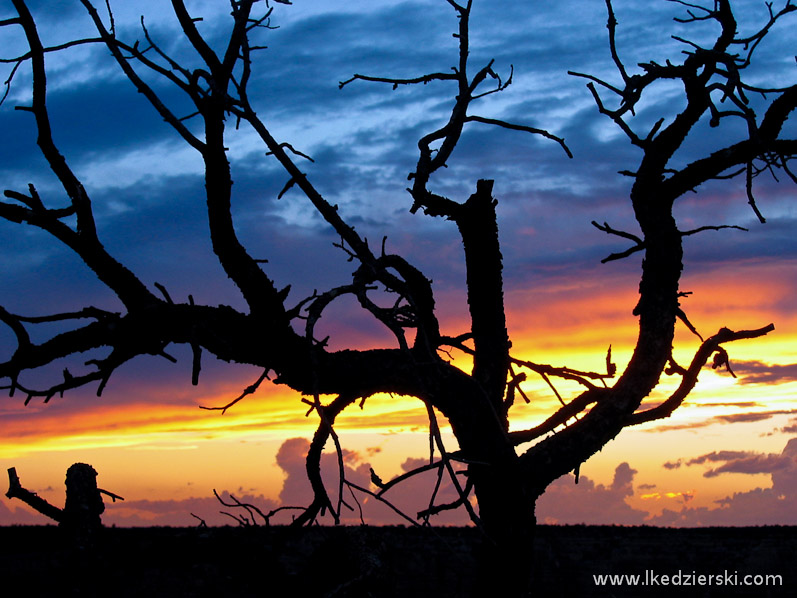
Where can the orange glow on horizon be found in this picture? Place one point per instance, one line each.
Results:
(567, 326)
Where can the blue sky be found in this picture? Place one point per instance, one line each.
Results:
(363, 137)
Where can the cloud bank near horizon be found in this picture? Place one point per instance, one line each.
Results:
(565, 502)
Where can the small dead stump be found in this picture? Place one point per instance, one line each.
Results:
(83, 506)
(80, 517)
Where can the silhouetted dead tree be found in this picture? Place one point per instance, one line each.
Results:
(506, 478)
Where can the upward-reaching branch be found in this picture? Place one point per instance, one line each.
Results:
(83, 240)
(445, 138)
(657, 185)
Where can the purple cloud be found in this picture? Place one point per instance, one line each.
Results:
(776, 505)
(791, 428)
(734, 418)
(718, 456)
(731, 418)
(586, 502)
(745, 462)
(18, 513)
(758, 372)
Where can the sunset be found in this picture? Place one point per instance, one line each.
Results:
(229, 237)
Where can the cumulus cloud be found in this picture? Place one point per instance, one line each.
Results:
(586, 502)
(296, 489)
(410, 496)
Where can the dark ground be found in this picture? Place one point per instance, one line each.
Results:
(372, 561)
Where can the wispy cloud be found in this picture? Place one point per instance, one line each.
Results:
(758, 372)
(735, 405)
(775, 505)
(791, 428)
(731, 418)
(744, 462)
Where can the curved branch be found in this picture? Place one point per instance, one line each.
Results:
(710, 167)
(434, 430)
(321, 501)
(524, 128)
(251, 389)
(385, 486)
(396, 82)
(705, 228)
(709, 346)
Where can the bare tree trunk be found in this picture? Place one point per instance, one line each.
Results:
(83, 505)
(507, 514)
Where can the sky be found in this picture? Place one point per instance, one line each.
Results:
(727, 457)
